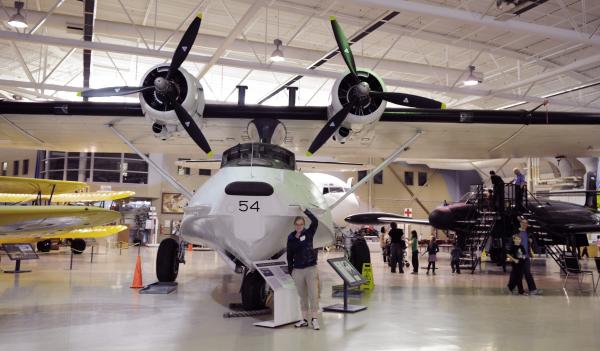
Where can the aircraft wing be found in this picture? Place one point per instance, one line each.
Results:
(304, 165)
(69, 197)
(93, 197)
(83, 233)
(18, 185)
(448, 134)
(369, 218)
(35, 220)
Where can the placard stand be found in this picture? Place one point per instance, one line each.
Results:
(18, 268)
(18, 252)
(286, 305)
(351, 277)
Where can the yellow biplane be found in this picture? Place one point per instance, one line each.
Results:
(41, 223)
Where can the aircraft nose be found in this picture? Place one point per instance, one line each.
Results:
(441, 218)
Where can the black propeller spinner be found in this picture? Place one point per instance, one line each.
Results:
(360, 95)
(165, 91)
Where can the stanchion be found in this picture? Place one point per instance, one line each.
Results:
(71, 264)
(92, 257)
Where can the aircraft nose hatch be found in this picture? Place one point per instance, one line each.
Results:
(249, 189)
(441, 218)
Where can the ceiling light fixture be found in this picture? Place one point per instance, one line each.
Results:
(474, 78)
(277, 55)
(18, 20)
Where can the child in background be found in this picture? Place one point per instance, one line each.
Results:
(455, 258)
(516, 256)
(432, 250)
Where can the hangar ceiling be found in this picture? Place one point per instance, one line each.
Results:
(547, 51)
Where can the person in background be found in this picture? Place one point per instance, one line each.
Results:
(414, 246)
(516, 256)
(302, 265)
(526, 243)
(584, 252)
(519, 182)
(598, 245)
(397, 250)
(383, 238)
(455, 258)
(498, 194)
(432, 250)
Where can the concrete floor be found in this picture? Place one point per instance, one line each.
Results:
(93, 308)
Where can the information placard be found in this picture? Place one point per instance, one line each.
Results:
(20, 251)
(346, 271)
(286, 305)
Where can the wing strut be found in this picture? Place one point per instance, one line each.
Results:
(158, 168)
(381, 166)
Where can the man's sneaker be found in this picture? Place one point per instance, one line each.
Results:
(315, 324)
(536, 292)
(301, 324)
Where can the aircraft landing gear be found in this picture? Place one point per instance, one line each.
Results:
(254, 293)
(77, 246)
(44, 245)
(167, 260)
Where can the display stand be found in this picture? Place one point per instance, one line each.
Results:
(159, 288)
(351, 277)
(18, 252)
(286, 306)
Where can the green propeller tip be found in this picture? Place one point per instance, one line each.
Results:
(443, 106)
(78, 93)
(209, 154)
(309, 154)
(332, 18)
(199, 15)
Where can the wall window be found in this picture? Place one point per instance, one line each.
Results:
(378, 178)
(15, 171)
(25, 170)
(4, 170)
(361, 175)
(204, 172)
(422, 178)
(96, 167)
(409, 178)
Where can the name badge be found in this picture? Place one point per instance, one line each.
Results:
(303, 237)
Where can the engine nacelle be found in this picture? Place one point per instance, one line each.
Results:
(369, 110)
(161, 113)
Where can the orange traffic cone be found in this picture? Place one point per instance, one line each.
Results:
(190, 247)
(137, 275)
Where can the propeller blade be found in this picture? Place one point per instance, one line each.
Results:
(192, 128)
(113, 91)
(409, 100)
(185, 45)
(343, 45)
(328, 129)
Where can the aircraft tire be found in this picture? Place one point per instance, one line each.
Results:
(77, 246)
(44, 245)
(254, 295)
(167, 260)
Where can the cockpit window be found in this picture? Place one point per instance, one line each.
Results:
(259, 155)
(468, 197)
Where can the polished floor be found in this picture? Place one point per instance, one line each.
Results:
(93, 308)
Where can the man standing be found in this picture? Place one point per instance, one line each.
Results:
(519, 182)
(525, 242)
(397, 248)
(498, 185)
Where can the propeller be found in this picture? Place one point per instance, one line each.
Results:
(113, 91)
(166, 87)
(329, 128)
(360, 94)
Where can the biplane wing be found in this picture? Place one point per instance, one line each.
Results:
(51, 220)
(83, 233)
(34, 186)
